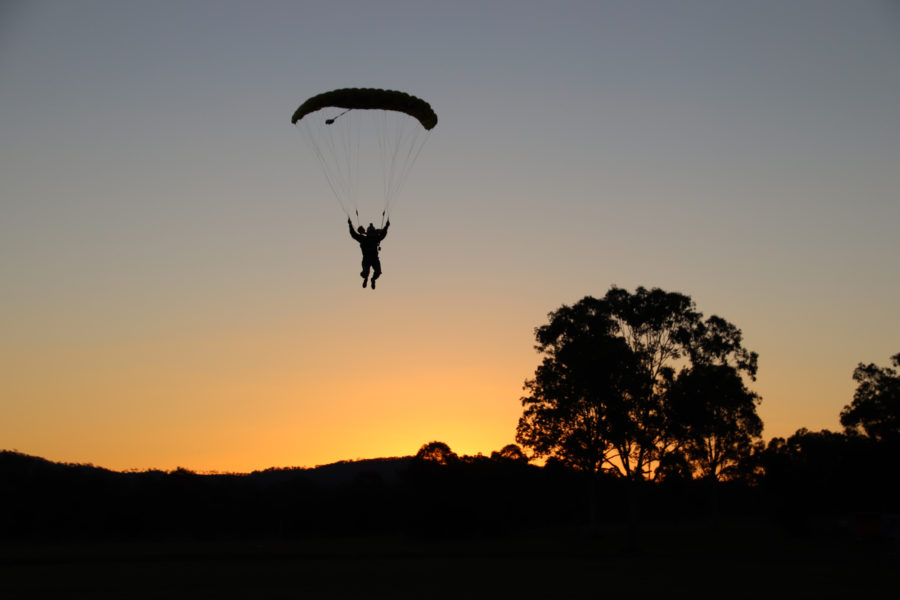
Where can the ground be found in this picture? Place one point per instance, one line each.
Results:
(746, 561)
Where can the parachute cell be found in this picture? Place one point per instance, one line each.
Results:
(370, 98)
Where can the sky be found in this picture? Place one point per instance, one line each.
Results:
(177, 286)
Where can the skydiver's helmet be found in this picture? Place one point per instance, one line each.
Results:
(371, 230)
(360, 230)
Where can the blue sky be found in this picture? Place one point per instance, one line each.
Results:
(179, 288)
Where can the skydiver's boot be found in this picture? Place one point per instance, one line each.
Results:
(365, 280)
(373, 284)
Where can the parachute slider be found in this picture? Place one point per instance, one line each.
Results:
(330, 121)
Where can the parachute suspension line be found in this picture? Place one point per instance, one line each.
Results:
(396, 133)
(354, 139)
(384, 149)
(343, 144)
(330, 176)
(390, 124)
(337, 148)
(406, 163)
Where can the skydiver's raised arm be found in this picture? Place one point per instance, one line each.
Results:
(353, 234)
(383, 233)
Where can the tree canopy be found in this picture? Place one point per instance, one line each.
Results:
(437, 453)
(875, 409)
(635, 381)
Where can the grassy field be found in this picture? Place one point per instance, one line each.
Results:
(737, 562)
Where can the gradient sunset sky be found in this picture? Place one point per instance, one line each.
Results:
(177, 286)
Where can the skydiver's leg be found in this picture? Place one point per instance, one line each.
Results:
(377, 273)
(365, 272)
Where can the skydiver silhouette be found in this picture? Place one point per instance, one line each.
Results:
(369, 240)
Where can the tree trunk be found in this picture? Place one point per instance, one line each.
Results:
(631, 510)
(713, 498)
(593, 510)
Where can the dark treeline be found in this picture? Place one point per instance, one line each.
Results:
(813, 482)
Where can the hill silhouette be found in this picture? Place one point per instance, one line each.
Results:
(437, 495)
(401, 525)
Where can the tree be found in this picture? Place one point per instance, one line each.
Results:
(602, 398)
(875, 409)
(713, 416)
(438, 453)
(510, 453)
(580, 397)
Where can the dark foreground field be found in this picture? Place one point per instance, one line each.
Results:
(746, 561)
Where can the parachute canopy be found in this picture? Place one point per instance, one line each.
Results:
(366, 141)
(370, 98)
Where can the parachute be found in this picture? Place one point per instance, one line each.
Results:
(366, 141)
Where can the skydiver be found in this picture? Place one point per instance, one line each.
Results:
(369, 240)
